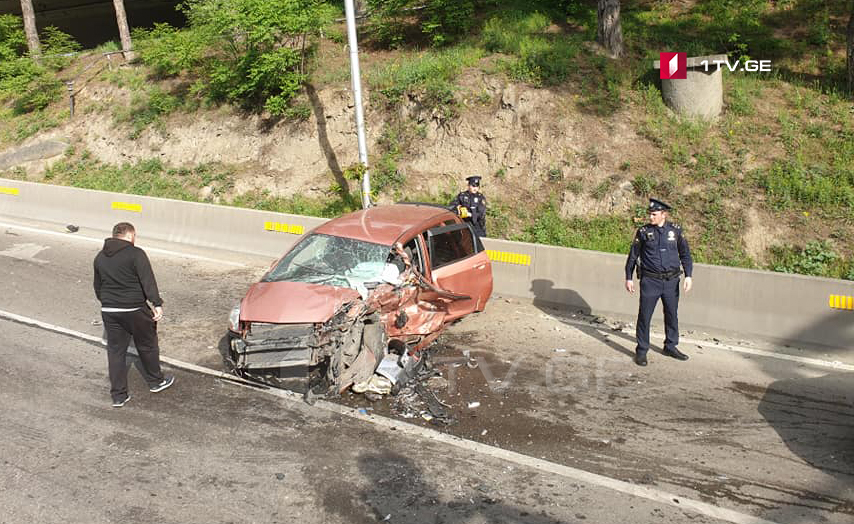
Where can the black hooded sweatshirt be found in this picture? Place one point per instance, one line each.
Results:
(123, 276)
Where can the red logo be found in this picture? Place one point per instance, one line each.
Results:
(674, 66)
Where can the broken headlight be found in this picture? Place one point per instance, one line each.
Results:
(234, 319)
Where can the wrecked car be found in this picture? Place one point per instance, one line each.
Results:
(355, 302)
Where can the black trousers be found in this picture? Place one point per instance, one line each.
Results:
(120, 328)
(651, 289)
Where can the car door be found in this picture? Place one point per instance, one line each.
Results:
(460, 266)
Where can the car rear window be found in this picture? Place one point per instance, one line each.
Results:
(447, 247)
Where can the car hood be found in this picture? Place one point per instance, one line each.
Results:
(293, 302)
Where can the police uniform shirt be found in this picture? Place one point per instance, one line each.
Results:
(660, 250)
(476, 204)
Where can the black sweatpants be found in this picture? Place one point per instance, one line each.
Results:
(651, 290)
(121, 327)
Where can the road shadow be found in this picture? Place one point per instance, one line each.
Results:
(401, 492)
(558, 303)
(838, 322)
(814, 417)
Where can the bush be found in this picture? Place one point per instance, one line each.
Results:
(429, 77)
(814, 259)
(609, 233)
(167, 50)
(441, 21)
(251, 53)
(57, 48)
(147, 108)
(31, 85)
(540, 59)
(789, 183)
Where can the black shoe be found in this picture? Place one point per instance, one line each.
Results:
(675, 353)
(640, 360)
(163, 384)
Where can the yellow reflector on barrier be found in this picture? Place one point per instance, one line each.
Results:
(125, 206)
(8, 190)
(509, 258)
(841, 302)
(279, 227)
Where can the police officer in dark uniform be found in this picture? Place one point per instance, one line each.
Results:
(474, 204)
(659, 249)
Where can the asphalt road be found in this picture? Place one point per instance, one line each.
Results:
(758, 435)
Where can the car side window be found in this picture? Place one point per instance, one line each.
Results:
(449, 244)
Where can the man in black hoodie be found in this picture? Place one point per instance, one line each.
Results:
(124, 282)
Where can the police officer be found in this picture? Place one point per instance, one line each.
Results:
(662, 249)
(474, 206)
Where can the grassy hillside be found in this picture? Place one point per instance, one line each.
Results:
(770, 184)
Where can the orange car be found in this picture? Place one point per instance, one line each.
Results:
(365, 291)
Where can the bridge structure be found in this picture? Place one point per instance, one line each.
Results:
(94, 22)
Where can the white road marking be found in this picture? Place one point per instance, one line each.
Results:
(770, 354)
(26, 252)
(77, 236)
(545, 466)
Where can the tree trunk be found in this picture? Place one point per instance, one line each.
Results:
(30, 27)
(851, 51)
(124, 31)
(610, 34)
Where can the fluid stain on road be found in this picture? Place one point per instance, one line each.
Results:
(500, 403)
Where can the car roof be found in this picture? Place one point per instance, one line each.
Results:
(385, 224)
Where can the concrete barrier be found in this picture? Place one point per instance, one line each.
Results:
(206, 225)
(771, 305)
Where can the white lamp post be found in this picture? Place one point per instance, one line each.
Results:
(357, 95)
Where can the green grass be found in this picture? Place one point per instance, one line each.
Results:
(611, 233)
(714, 229)
(147, 107)
(16, 128)
(539, 58)
(296, 204)
(146, 177)
(793, 185)
(430, 75)
(152, 178)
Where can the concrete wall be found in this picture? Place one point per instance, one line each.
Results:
(772, 305)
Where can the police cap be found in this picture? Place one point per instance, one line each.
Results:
(658, 205)
(474, 180)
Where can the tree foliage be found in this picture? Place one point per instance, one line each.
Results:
(441, 21)
(251, 53)
(29, 84)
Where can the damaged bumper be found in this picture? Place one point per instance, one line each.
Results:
(346, 349)
(271, 346)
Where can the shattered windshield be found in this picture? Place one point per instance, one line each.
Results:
(334, 261)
